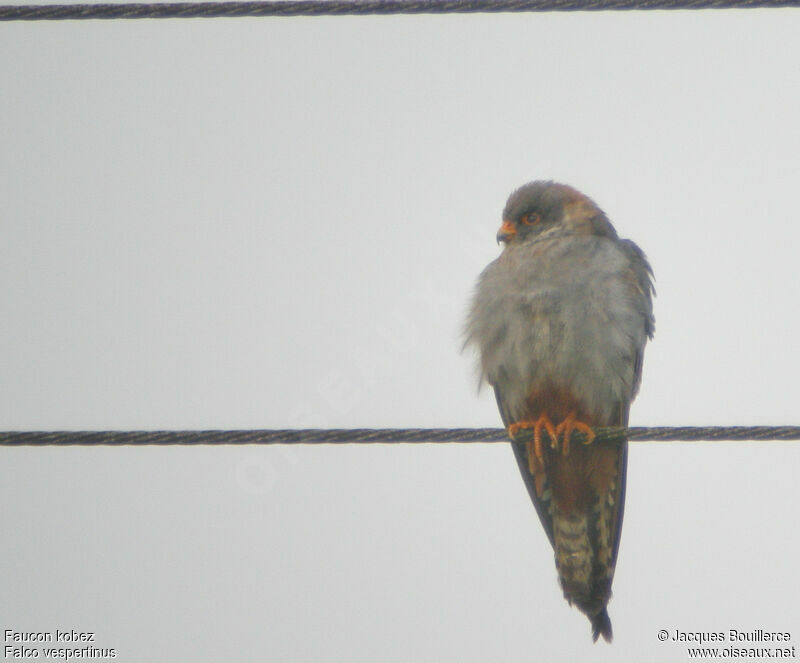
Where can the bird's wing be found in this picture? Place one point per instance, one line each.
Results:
(618, 492)
(542, 504)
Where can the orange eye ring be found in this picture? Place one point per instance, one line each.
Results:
(531, 219)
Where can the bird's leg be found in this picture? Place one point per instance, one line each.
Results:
(535, 447)
(571, 424)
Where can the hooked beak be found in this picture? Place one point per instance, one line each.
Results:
(507, 232)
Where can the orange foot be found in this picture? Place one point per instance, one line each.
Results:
(571, 424)
(542, 423)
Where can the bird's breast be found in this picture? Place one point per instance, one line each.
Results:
(558, 320)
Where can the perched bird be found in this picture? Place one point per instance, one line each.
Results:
(560, 320)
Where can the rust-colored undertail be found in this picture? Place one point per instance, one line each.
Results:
(580, 500)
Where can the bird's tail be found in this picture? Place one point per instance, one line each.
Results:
(601, 625)
(587, 509)
(583, 570)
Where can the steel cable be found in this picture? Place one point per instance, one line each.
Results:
(383, 435)
(279, 8)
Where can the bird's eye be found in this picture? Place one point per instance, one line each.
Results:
(531, 219)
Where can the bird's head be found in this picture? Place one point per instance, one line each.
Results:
(545, 208)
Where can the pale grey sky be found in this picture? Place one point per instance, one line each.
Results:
(278, 223)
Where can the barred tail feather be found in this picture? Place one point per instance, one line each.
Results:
(584, 578)
(573, 555)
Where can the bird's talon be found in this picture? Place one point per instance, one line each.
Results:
(542, 423)
(568, 426)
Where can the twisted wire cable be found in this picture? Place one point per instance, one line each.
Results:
(279, 8)
(384, 436)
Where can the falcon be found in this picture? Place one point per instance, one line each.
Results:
(560, 320)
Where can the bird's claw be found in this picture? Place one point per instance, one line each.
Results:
(566, 429)
(535, 451)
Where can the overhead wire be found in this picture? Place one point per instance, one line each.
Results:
(384, 436)
(286, 8)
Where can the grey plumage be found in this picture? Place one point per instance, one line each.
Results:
(560, 321)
